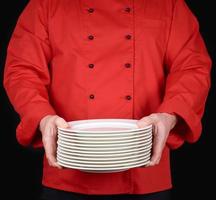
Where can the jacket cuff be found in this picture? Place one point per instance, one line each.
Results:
(188, 127)
(27, 131)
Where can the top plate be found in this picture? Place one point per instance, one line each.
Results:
(104, 126)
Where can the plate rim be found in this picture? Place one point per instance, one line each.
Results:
(93, 134)
(105, 144)
(107, 137)
(143, 154)
(104, 141)
(141, 163)
(103, 120)
(107, 148)
(104, 155)
(99, 164)
(107, 152)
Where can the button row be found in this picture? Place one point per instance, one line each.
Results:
(127, 65)
(91, 10)
(127, 9)
(128, 97)
(128, 37)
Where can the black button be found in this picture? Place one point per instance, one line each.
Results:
(91, 10)
(127, 9)
(127, 65)
(91, 96)
(91, 37)
(128, 97)
(128, 37)
(91, 65)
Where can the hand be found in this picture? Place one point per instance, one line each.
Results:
(48, 128)
(162, 123)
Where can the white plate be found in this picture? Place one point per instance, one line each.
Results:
(102, 171)
(95, 169)
(102, 135)
(98, 150)
(104, 145)
(104, 126)
(102, 140)
(104, 148)
(86, 142)
(106, 139)
(69, 131)
(103, 156)
(102, 163)
(105, 153)
(102, 159)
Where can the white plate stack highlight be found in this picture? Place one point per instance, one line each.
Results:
(104, 145)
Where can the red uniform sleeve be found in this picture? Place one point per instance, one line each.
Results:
(188, 76)
(26, 77)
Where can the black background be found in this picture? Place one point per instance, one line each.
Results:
(192, 165)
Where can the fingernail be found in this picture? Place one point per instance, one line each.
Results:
(157, 162)
(67, 126)
(150, 164)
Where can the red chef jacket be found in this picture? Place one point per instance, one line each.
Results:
(83, 59)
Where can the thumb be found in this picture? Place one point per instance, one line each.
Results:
(145, 121)
(60, 122)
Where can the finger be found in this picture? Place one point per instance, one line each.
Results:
(51, 157)
(158, 145)
(53, 163)
(49, 141)
(146, 121)
(60, 122)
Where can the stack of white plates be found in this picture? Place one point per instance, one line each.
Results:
(104, 145)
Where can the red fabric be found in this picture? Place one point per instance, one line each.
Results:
(47, 72)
